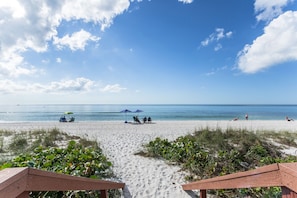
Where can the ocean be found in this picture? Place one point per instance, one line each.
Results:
(100, 112)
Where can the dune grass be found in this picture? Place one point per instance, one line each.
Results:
(208, 153)
(53, 150)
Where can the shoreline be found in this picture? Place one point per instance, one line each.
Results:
(145, 177)
(250, 125)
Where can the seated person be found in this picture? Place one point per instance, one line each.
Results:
(63, 119)
(136, 119)
(144, 119)
(149, 120)
(289, 119)
(235, 119)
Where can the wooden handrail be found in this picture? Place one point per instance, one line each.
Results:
(283, 175)
(18, 182)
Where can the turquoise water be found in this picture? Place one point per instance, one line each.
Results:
(87, 112)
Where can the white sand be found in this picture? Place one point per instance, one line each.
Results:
(145, 177)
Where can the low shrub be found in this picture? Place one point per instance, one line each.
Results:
(210, 153)
(42, 149)
(18, 144)
(75, 160)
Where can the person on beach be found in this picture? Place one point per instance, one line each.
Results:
(246, 116)
(289, 119)
(144, 120)
(235, 119)
(136, 119)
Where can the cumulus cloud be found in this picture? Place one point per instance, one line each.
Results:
(218, 35)
(266, 10)
(77, 41)
(14, 7)
(32, 25)
(100, 12)
(277, 45)
(12, 65)
(64, 86)
(113, 88)
(76, 85)
(186, 1)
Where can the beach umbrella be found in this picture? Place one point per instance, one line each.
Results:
(125, 111)
(138, 111)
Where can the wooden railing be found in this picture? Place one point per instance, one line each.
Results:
(19, 182)
(283, 175)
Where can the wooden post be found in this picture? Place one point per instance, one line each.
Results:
(25, 194)
(202, 194)
(103, 194)
(288, 193)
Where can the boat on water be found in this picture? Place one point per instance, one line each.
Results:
(67, 117)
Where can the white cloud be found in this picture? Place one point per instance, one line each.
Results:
(31, 25)
(216, 70)
(269, 9)
(229, 34)
(64, 86)
(210, 73)
(58, 60)
(77, 41)
(113, 88)
(13, 7)
(218, 35)
(100, 12)
(186, 1)
(20, 32)
(12, 65)
(9, 86)
(76, 85)
(218, 47)
(277, 45)
(45, 61)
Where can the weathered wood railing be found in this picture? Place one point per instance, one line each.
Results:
(19, 182)
(283, 175)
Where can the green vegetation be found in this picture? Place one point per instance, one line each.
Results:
(27, 141)
(74, 156)
(207, 154)
(3, 133)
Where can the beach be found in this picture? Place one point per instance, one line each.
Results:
(146, 177)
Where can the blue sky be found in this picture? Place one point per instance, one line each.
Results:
(148, 52)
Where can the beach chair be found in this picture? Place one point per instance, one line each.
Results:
(136, 120)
